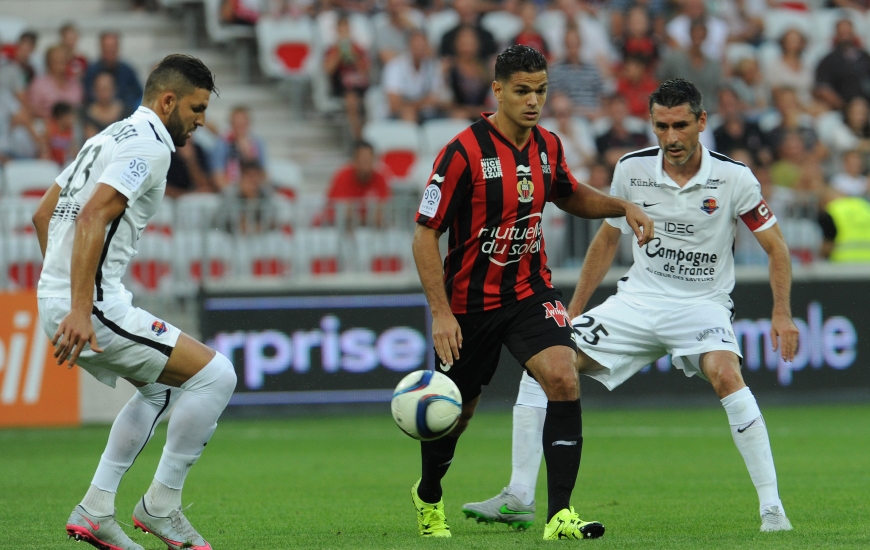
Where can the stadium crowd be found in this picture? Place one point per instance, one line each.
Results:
(786, 85)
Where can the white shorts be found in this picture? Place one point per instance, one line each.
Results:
(135, 343)
(624, 335)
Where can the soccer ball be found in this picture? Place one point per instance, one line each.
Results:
(426, 405)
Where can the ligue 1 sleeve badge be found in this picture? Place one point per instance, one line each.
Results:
(158, 327)
(709, 205)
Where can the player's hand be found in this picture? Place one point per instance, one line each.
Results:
(640, 223)
(784, 335)
(74, 332)
(447, 337)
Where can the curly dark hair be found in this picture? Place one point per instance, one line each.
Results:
(181, 74)
(677, 91)
(518, 58)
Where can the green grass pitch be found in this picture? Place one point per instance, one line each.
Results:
(666, 479)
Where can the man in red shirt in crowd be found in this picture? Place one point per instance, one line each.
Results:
(358, 181)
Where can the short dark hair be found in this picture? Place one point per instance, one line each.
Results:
(518, 58)
(677, 91)
(250, 165)
(362, 144)
(181, 74)
(69, 25)
(28, 35)
(60, 109)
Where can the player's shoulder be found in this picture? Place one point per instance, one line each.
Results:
(140, 136)
(724, 167)
(725, 160)
(641, 157)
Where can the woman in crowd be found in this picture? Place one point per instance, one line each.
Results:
(467, 77)
(106, 108)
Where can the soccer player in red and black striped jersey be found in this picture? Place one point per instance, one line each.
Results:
(488, 190)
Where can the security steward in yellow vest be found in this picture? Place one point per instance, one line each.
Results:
(845, 225)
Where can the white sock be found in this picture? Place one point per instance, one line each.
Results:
(131, 430)
(99, 502)
(750, 435)
(192, 424)
(527, 449)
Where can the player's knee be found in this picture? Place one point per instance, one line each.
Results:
(562, 384)
(226, 377)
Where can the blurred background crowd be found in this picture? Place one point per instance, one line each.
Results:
(786, 85)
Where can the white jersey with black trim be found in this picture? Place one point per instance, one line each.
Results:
(132, 156)
(691, 256)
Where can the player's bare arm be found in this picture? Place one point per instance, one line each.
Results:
(587, 202)
(42, 217)
(76, 330)
(445, 330)
(598, 260)
(783, 332)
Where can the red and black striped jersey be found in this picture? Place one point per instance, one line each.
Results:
(490, 196)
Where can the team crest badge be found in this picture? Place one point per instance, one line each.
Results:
(158, 327)
(709, 205)
(525, 187)
(543, 157)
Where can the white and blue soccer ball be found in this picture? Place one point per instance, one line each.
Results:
(426, 405)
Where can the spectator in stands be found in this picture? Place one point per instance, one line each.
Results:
(54, 86)
(857, 119)
(790, 70)
(238, 146)
(241, 12)
(59, 134)
(106, 107)
(347, 66)
(188, 171)
(414, 83)
(852, 180)
(795, 168)
(744, 20)
(793, 118)
(621, 13)
(127, 83)
(597, 49)
(750, 86)
(17, 73)
(249, 204)
(580, 151)
(618, 139)
(736, 132)
(469, 16)
(356, 184)
(529, 35)
(69, 39)
(467, 78)
(635, 84)
(845, 72)
(577, 79)
(18, 136)
(638, 40)
(392, 31)
(695, 65)
(680, 31)
(600, 177)
(845, 223)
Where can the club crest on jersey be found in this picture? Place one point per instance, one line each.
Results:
(558, 313)
(709, 205)
(525, 187)
(158, 327)
(545, 168)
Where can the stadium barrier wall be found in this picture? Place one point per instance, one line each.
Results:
(307, 343)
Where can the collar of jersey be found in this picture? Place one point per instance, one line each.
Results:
(502, 137)
(157, 124)
(698, 179)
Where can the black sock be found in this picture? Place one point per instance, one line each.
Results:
(437, 456)
(563, 442)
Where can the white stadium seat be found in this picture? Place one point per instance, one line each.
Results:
(288, 48)
(150, 270)
(16, 214)
(438, 24)
(268, 254)
(11, 29)
(382, 250)
(23, 261)
(287, 177)
(439, 132)
(397, 145)
(30, 177)
(503, 25)
(196, 211)
(220, 32)
(318, 250)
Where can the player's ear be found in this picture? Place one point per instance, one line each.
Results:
(497, 89)
(168, 101)
(702, 121)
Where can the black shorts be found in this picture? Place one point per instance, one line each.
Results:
(526, 327)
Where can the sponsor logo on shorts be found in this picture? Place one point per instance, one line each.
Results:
(558, 313)
(158, 327)
(709, 205)
(491, 168)
(715, 331)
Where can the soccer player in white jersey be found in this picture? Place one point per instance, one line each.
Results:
(674, 299)
(88, 223)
